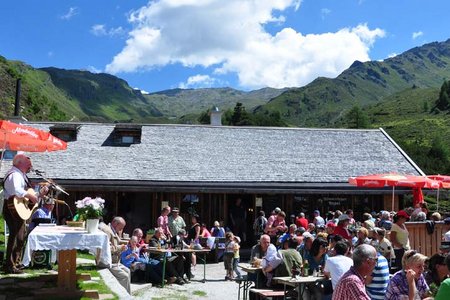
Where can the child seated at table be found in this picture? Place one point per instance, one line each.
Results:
(130, 257)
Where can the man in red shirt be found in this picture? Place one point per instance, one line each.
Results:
(301, 221)
(341, 228)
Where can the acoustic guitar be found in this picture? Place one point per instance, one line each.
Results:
(23, 206)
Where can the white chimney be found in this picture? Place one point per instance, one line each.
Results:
(215, 116)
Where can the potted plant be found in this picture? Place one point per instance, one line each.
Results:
(90, 210)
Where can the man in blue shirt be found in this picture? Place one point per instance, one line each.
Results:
(43, 214)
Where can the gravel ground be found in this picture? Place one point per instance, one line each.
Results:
(215, 287)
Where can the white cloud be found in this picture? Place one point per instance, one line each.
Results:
(417, 34)
(93, 69)
(230, 36)
(73, 11)
(392, 55)
(98, 30)
(198, 81)
(101, 30)
(325, 12)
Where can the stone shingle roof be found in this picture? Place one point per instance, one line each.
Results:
(200, 154)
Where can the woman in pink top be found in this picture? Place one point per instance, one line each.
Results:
(204, 231)
(163, 221)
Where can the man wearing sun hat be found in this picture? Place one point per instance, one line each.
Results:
(176, 222)
(341, 228)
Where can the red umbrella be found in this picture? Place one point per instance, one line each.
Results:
(19, 137)
(445, 183)
(393, 180)
(417, 196)
(444, 179)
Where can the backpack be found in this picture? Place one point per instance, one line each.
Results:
(260, 225)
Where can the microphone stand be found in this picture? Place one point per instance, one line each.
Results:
(57, 189)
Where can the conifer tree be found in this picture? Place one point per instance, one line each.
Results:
(357, 118)
(443, 103)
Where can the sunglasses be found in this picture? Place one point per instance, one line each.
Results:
(411, 254)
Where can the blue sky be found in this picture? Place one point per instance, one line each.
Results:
(244, 44)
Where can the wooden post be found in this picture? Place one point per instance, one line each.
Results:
(67, 265)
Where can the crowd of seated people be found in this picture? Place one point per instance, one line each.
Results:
(397, 271)
(132, 260)
(326, 244)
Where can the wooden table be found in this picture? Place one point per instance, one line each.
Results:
(247, 283)
(66, 240)
(164, 253)
(298, 282)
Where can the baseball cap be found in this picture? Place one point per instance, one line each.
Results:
(447, 220)
(331, 224)
(343, 217)
(402, 213)
(317, 212)
(277, 210)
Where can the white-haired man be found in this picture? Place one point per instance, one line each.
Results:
(121, 272)
(16, 184)
(351, 285)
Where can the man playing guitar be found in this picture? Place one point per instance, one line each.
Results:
(16, 184)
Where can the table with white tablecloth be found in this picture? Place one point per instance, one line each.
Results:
(66, 240)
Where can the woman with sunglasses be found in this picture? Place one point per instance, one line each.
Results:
(409, 283)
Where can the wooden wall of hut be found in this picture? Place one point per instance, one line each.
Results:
(423, 241)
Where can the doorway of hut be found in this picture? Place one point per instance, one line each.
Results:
(241, 216)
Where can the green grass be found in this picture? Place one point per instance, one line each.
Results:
(199, 293)
(38, 275)
(91, 285)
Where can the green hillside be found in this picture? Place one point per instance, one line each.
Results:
(180, 103)
(324, 101)
(103, 96)
(411, 119)
(40, 98)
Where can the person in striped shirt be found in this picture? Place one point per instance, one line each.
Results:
(377, 282)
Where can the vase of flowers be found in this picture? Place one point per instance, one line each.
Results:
(90, 210)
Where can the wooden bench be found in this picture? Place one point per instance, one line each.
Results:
(268, 293)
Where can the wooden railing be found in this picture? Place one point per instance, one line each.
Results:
(424, 242)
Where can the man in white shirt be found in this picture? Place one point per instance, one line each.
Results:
(336, 266)
(318, 220)
(16, 184)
